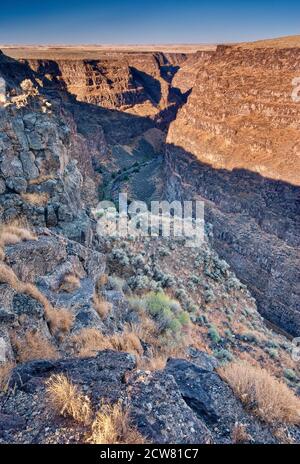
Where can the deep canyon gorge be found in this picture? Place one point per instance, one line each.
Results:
(234, 144)
(217, 124)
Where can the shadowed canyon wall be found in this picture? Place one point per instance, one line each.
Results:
(236, 145)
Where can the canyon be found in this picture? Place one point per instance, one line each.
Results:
(211, 123)
(219, 124)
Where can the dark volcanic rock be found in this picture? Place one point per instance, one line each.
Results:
(24, 304)
(160, 412)
(213, 401)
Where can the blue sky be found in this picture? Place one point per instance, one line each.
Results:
(158, 21)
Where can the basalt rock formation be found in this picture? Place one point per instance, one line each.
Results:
(235, 145)
(241, 113)
(138, 83)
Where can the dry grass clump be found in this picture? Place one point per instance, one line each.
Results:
(70, 283)
(112, 426)
(101, 282)
(59, 320)
(283, 435)
(88, 342)
(102, 306)
(239, 434)
(33, 346)
(16, 230)
(42, 178)
(5, 374)
(127, 341)
(146, 329)
(67, 399)
(266, 396)
(162, 348)
(2, 254)
(156, 362)
(12, 233)
(36, 199)
(7, 276)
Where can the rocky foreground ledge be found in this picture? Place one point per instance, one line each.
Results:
(187, 402)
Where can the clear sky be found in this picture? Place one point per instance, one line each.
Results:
(138, 21)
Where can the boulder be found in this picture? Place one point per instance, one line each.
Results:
(24, 304)
(29, 167)
(213, 401)
(160, 412)
(16, 184)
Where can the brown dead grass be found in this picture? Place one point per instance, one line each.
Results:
(68, 400)
(7, 276)
(88, 342)
(36, 199)
(127, 341)
(147, 331)
(112, 425)
(39, 180)
(102, 306)
(239, 434)
(101, 282)
(10, 234)
(13, 233)
(58, 319)
(266, 396)
(156, 362)
(5, 374)
(70, 283)
(33, 345)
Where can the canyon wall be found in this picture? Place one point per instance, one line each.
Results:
(236, 145)
(137, 83)
(241, 113)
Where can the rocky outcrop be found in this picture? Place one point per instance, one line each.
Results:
(235, 145)
(44, 263)
(185, 78)
(160, 403)
(138, 83)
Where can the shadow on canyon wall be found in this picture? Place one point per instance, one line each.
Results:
(256, 229)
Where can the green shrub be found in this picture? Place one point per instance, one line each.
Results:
(214, 334)
(167, 313)
(272, 352)
(184, 318)
(223, 355)
(116, 283)
(290, 375)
